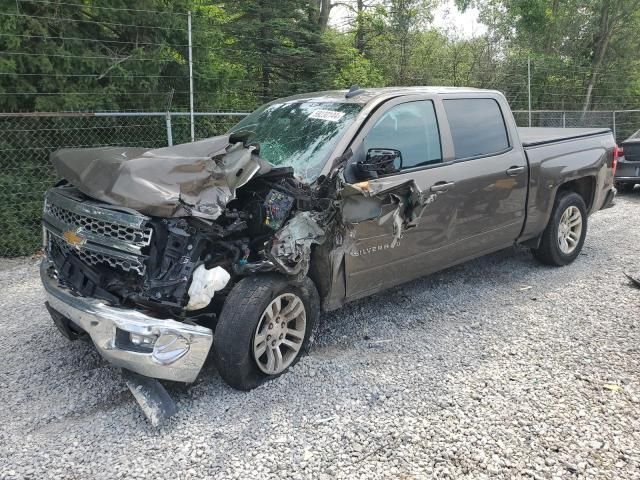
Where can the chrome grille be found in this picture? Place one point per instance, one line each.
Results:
(139, 237)
(95, 233)
(95, 258)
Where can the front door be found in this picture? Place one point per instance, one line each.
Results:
(380, 255)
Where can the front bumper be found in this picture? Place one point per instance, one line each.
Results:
(179, 350)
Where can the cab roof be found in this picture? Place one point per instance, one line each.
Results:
(367, 95)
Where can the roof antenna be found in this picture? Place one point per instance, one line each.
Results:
(353, 91)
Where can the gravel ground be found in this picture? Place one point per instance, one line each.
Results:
(498, 368)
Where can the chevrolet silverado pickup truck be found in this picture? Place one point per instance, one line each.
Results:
(234, 245)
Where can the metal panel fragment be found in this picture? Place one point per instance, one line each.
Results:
(291, 245)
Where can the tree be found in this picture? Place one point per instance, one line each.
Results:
(58, 55)
(611, 17)
(404, 20)
(320, 11)
(571, 45)
(283, 49)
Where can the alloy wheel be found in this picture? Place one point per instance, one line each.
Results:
(569, 230)
(280, 333)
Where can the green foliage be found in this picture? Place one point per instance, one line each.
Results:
(115, 55)
(587, 51)
(85, 55)
(360, 71)
(95, 57)
(351, 66)
(282, 48)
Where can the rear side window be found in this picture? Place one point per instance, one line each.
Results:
(477, 127)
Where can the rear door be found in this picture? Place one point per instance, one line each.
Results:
(491, 195)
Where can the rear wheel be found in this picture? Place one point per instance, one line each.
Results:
(264, 328)
(563, 238)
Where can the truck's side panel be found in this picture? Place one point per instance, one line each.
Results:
(554, 164)
(492, 196)
(482, 208)
(537, 136)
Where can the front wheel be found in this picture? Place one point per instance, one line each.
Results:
(564, 235)
(264, 328)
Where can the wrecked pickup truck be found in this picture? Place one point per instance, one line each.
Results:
(236, 243)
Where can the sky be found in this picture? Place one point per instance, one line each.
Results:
(465, 25)
(446, 17)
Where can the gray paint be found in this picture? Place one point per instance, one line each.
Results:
(629, 164)
(395, 228)
(554, 164)
(486, 210)
(374, 234)
(197, 178)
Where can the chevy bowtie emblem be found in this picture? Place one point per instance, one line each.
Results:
(74, 238)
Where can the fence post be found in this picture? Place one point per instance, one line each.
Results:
(167, 117)
(169, 132)
(529, 85)
(564, 119)
(615, 137)
(190, 77)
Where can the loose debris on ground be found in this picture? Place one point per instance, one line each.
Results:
(465, 374)
(635, 280)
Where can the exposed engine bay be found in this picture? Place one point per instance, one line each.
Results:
(247, 237)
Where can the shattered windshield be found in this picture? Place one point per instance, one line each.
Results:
(298, 134)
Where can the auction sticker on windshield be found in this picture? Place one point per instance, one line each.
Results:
(328, 115)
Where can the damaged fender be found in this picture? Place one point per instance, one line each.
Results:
(365, 201)
(291, 246)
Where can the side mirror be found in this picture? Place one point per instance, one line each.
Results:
(379, 161)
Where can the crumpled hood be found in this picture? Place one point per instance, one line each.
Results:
(192, 179)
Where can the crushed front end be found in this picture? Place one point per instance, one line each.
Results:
(147, 289)
(97, 278)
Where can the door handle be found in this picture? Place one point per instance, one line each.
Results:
(513, 171)
(442, 186)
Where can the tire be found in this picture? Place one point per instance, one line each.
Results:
(244, 311)
(551, 251)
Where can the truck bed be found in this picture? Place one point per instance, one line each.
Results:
(533, 136)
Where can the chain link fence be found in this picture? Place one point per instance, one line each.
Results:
(622, 123)
(26, 140)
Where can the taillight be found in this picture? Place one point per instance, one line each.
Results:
(617, 153)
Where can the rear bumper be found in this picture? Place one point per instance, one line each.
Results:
(178, 352)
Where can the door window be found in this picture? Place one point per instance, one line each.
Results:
(477, 127)
(412, 129)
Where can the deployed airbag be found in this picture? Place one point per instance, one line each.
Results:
(204, 284)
